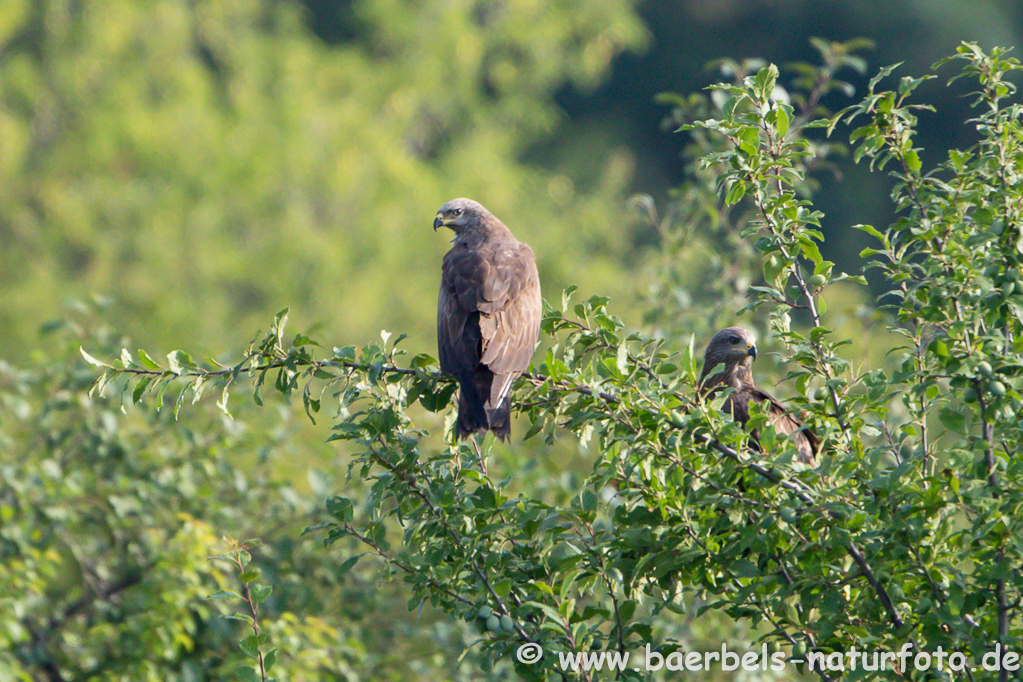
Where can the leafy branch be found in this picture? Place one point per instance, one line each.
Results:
(253, 594)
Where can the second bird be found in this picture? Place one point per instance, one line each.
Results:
(733, 351)
(488, 315)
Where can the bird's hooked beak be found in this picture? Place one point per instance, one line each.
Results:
(752, 351)
(438, 221)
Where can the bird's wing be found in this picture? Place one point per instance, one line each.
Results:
(511, 308)
(736, 404)
(510, 321)
(806, 441)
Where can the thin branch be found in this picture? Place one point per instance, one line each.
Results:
(403, 566)
(42, 638)
(764, 611)
(126, 581)
(255, 618)
(879, 590)
(476, 568)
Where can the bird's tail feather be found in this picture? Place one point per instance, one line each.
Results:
(472, 414)
(500, 419)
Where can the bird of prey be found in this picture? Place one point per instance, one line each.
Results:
(733, 350)
(488, 315)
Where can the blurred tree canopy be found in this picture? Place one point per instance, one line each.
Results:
(237, 157)
(240, 156)
(217, 156)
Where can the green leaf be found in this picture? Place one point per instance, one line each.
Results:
(259, 593)
(148, 362)
(735, 193)
(952, 420)
(249, 575)
(280, 320)
(783, 118)
(222, 402)
(341, 508)
(91, 360)
(246, 673)
(140, 388)
(224, 594)
(883, 73)
(347, 565)
(939, 348)
(622, 362)
(823, 268)
(872, 231)
(810, 250)
(549, 611)
(566, 296)
(763, 82)
(912, 160)
(243, 617)
(180, 362)
(250, 645)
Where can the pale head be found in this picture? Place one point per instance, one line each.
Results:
(460, 214)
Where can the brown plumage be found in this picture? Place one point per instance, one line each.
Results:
(488, 315)
(732, 351)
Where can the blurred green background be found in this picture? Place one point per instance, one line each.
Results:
(205, 163)
(201, 164)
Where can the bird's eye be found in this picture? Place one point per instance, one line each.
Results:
(734, 339)
(456, 211)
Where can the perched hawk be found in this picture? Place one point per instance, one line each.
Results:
(735, 349)
(488, 315)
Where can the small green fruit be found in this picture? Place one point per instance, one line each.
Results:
(788, 514)
(997, 388)
(772, 267)
(820, 394)
(817, 281)
(984, 368)
(507, 624)
(485, 612)
(493, 623)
